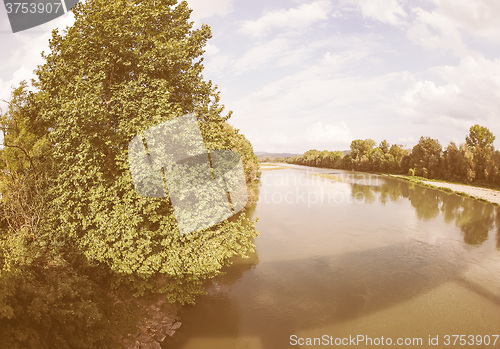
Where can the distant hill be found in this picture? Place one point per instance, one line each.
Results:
(263, 154)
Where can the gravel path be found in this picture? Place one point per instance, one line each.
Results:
(482, 193)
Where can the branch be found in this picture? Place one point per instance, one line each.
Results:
(25, 153)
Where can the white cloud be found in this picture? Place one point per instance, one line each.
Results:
(437, 24)
(469, 93)
(328, 135)
(284, 51)
(314, 72)
(261, 54)
(385, 11)
(428, 99)
(211, 50)
(477, 17)
(451, 22)
(435, 30)
(205, 9)
(312, 107)
(294, 18)
(318, 135)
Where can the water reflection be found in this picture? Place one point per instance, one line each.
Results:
(217, 304)
(331, 265)
(474, 218)
(285, 297)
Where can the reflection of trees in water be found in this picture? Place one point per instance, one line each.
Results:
(212, 304)
(284, 297)
(392, 193)
(450, 208)
(425, 202)
(234, 272)
(364, 191)
(474, 218)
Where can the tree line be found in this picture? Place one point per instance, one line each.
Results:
(474, 161)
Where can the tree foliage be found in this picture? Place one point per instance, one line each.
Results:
(480, 143)
(426, 156)
(68, 201)
(474, 161)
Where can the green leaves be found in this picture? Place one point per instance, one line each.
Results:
(479, 138)
(480, 143)
(425, 157)
(123, 67)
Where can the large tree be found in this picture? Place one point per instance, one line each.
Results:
(124, 66)
(360, 148)
(480, 142)
(425, 157)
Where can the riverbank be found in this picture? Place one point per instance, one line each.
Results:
(157, 320)
(484, 194)
(491, 196)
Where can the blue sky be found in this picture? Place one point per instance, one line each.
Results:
(319, 73)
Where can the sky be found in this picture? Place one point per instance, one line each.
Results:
(317, 74)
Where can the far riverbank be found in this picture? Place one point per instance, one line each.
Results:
(480, 193)
(484, 194)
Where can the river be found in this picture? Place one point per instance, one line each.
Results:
(344, 254)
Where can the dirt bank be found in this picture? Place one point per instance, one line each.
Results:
(489, 195)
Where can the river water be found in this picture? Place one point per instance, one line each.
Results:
(345, 255)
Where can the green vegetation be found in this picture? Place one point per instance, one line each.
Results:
(73, 231)
(475, 161)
